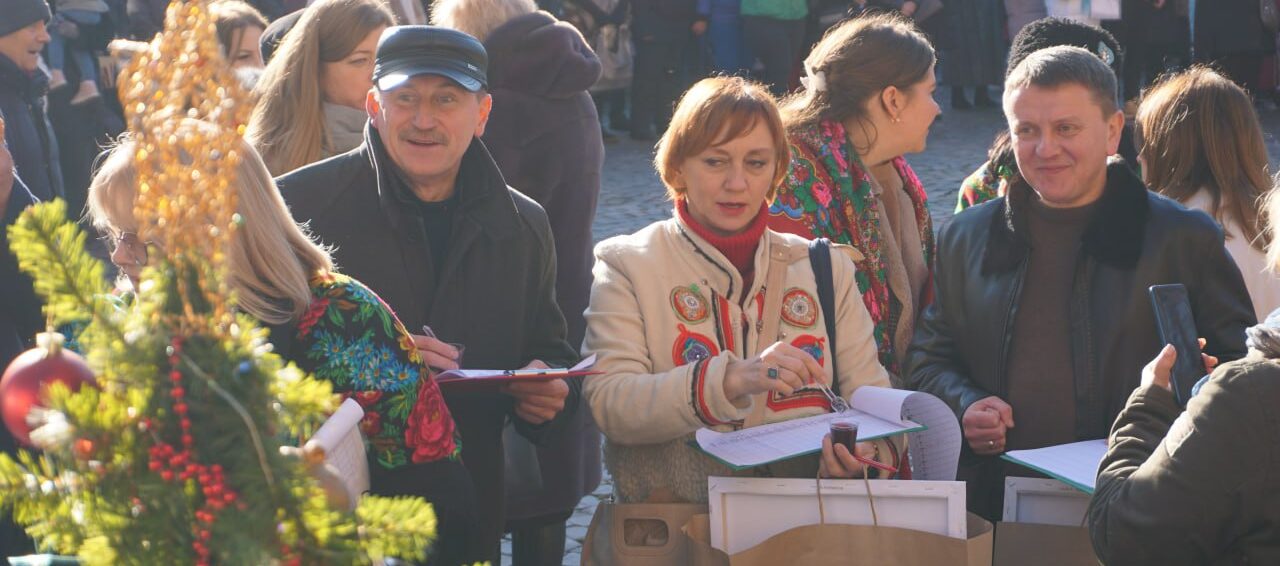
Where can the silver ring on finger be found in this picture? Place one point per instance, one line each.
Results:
(772, 373)
(991, 444)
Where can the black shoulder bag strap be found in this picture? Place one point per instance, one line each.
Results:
(820, 259)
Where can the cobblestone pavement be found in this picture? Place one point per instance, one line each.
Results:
(632, 197)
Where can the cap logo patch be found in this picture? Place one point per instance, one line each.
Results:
(1106, 54)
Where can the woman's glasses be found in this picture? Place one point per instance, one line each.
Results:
(129, 244)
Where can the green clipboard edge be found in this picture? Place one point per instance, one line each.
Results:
(1081, 487)
(737, 468)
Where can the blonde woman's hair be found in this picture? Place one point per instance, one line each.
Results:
(478, 18)
(287, 126)
(1197, 130)
(1271, 213)
(272, 259)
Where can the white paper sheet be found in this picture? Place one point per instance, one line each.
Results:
(933, 433)
(778, 441)
(745, 512)
(343, 446)
(1075, 464)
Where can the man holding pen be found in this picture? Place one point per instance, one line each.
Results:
(421, 214)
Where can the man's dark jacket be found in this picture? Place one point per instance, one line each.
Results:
(1203, 488)
(27, 129)
(20, 319)
(545, 136)
(1136, 239)
(496, 293)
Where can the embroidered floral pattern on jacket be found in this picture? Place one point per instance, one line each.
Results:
(827, 194)
(349, 337)
(689, 304)
(799, 309)
(812, 345)
(692, 347)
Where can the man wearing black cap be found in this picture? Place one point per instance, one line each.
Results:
(421, 214)
(22, 88)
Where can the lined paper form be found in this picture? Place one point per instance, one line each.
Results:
(1076, 464)
(778, 441)
(932, 428)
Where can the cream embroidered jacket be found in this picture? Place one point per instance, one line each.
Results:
(665, 321)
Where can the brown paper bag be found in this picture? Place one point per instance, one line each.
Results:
(1043, 545)
(853, 544)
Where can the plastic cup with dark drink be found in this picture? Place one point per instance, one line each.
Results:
(844, 432)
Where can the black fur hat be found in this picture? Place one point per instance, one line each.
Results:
(1051, 32)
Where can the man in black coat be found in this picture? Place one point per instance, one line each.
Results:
(20, 316)
(1230, 35)
(1041, 323)
(421, 214)
(22, 96)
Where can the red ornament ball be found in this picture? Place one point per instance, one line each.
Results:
(23, 383)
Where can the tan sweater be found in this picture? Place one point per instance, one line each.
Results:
(665, 321)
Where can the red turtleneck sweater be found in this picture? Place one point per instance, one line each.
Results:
(739, 249)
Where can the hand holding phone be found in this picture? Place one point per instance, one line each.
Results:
(1176, 325)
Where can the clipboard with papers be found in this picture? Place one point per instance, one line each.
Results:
(1075, 464)
(931, 427)
(479, 379)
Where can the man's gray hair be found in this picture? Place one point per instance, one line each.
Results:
(1061, 65)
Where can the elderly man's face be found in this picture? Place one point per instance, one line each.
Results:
(1061, 138)
(23, 46)
(427, 124)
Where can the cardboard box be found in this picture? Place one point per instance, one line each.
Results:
(1030, 544)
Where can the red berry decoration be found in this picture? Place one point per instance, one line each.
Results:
(83, 448)
(24, 381)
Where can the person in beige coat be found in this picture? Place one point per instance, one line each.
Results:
(710, 319)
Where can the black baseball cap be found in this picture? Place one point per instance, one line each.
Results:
(405, 52)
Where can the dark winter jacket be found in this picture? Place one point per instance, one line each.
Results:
(20, 312)
(666, 20)
(1136, 239)
(545, 136)
(20, 319)
(1202, 487)
(27, 129)
(1230, 27)
(495, 294)
(146, 17)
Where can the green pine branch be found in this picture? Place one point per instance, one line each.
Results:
(93, 492)
(395, 526)
(51, 250)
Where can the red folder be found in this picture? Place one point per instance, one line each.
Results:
(479, 379)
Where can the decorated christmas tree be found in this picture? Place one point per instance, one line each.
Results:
(163, 445)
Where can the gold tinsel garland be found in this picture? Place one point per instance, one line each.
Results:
(186, 169)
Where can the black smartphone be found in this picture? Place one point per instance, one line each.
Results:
(1176, 325)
